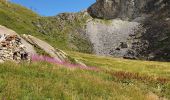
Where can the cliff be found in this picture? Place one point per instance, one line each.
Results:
(139, 29)
(126, 9)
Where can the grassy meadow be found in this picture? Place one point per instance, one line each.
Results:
(115, 79)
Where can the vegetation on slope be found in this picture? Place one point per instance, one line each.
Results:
(117, 79)
(24, 21)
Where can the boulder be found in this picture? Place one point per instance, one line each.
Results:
(53, 52)
(45, 46)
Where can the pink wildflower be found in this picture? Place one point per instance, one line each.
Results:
(37, 58)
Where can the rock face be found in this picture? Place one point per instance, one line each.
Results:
(139, 29)
(111, 38)
(57, 54)
(126, 9)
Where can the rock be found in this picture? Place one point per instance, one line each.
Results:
(111, 38)
(150, 38)
(66, 16)
(28, 47)
(126, 9)
(44, 46)
(123, 45)
(53, 52)
(7, 31)
(13, 47)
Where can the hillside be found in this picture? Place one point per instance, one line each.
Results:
(148, 23)
(114, 79)
(141, 32)
(103, 77)
(58, 32)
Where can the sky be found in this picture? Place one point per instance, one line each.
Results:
(54, 7)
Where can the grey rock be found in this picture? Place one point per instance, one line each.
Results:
(43, 45)
(150, 41)
(110, 38)
(125, 9)
(53, 52)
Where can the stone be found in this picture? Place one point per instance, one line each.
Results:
(110, 38)
(11, 50)
(125, 9)
(53, 52)
(124, 45)
(12, 46)
(149, 39)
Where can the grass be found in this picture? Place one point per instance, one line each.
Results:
(103, 21)
(62, 34)
(37, 81)
(117, 79)
(154, 76)
(118, 64)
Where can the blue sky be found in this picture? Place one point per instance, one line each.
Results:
(53, 7)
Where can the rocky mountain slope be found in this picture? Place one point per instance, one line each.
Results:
(146, 36)
(133, 29)
(126, 9)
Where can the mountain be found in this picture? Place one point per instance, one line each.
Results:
(133, 29)
(70, 35)
(139, 29)
(118, 28)
(127, 9)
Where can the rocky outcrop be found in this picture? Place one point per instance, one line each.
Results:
(55, 53)
(111, 38)
(145, 35)
(157, 36)
(72, 25)
(126, 9)
(14, 47)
